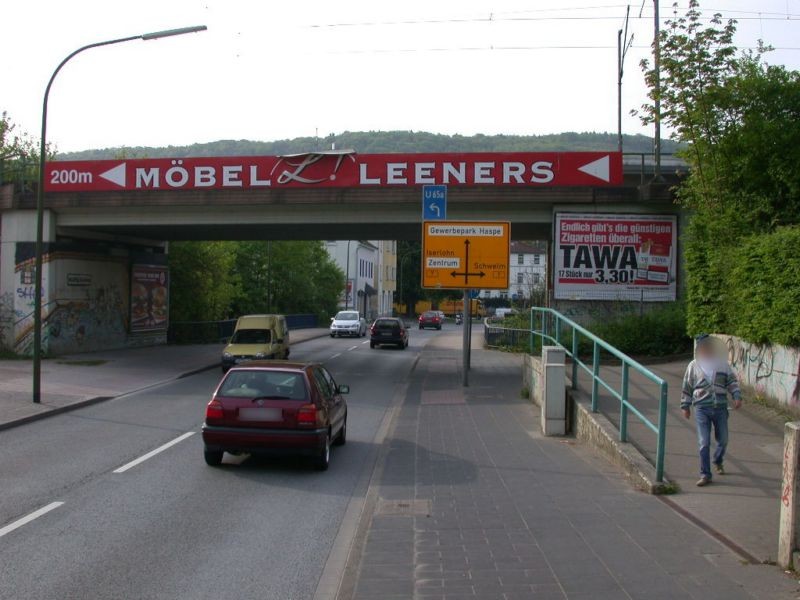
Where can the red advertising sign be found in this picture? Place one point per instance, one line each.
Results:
(149, 298)
(337, 169)
(615, 257)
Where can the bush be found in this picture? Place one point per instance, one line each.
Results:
(763, 288)
(659, 332)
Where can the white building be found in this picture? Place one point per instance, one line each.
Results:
(527, 273)
(370, 271)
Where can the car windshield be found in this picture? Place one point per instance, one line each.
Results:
(251, 336)
(346, 316)
(263, 384)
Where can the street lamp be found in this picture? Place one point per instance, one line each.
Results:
(37, 302)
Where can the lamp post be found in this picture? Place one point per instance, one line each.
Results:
(347, 279)
(37, 301)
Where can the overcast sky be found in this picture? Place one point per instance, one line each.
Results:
(272, 70)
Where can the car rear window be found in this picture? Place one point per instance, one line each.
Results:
(387, 324)
(346, 316)
(251, 336)
(263, 384)
(430, 315)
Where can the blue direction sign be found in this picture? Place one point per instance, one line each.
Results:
(434, 202)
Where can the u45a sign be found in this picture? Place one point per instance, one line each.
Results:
(337, 169)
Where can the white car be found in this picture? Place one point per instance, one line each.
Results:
(348, 323)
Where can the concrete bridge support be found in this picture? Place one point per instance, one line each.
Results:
(97, 295)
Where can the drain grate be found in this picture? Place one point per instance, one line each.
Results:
(408, 508)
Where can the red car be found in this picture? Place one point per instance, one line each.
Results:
(430, 318)
(271, 407)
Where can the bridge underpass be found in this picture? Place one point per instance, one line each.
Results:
(109, 217)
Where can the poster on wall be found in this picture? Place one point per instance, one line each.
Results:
(149, 298)
(615, 257)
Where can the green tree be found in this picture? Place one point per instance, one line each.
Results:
(738, 120)
(204, 282)
(286, 277)
(19, 152)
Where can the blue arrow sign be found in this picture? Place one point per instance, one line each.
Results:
(434, 202)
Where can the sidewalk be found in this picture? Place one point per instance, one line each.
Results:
(468, 500)
(744, 504)
(79, 379)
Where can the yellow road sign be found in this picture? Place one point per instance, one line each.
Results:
(465, 254)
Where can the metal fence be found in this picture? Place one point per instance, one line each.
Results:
(548, 325)
(214, 332)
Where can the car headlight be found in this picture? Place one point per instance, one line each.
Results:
(261, 355)
(227, 355)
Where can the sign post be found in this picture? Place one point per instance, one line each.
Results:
(467, 332)
(464, 255)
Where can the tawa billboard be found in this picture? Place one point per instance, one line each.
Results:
(615, 257)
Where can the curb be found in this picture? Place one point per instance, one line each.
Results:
(97, 399)
(597, 431)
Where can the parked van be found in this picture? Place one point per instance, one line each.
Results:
(257, 337)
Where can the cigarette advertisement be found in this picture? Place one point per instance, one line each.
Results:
(615, 257)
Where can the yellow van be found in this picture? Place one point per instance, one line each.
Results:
(257, 337)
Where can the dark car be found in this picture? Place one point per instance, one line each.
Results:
(271, 407)
(388, 331)
(430, 318)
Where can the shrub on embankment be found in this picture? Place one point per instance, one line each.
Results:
(658, 332)
(763, 299)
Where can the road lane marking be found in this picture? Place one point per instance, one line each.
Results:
(152, 453)
(352, 348)
(365, 342)
(337, 355)
(28, 518)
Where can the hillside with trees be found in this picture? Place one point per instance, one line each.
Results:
(371, 142)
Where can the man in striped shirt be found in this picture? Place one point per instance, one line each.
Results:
(708, 381)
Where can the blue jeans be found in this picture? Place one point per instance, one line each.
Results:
(706, 416)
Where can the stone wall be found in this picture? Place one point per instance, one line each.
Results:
(771, 370)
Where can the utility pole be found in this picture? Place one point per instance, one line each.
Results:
(657, 91)
(623, 44)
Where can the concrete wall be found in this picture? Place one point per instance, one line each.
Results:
(85, 296)
(532, 378)
(771, 370)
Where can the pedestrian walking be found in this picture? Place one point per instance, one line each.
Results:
(707, 383)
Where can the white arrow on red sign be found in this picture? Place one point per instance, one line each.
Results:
(599, 168)
(115, 175)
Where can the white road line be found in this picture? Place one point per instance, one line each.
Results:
(28, 518)
(152, 453)
(337, 355)
(352, 348)
(365, 342)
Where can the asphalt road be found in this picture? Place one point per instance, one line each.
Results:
(166, 525)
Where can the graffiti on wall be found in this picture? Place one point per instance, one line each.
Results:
(7, 320)
(772, 370)
(85, 309)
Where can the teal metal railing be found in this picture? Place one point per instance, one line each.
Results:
(550, 325)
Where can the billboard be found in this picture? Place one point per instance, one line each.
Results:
(615, 257)
(337, 169)
(149, 298)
